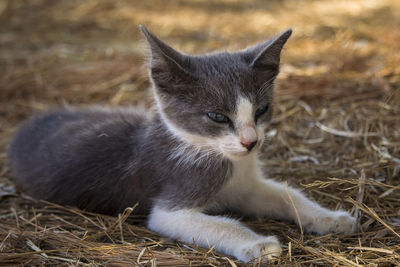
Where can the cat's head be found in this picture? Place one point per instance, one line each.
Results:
(220, 102)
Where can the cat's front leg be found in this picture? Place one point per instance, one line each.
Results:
(224, 234)
(310, 215)
(256, 196)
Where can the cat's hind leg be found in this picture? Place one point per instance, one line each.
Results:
(224, 234)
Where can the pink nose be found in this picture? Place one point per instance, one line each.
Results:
(249, 145)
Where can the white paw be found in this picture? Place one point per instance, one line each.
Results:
(266, 248)
(332, 222)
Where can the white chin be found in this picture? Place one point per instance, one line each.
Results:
(237, 155)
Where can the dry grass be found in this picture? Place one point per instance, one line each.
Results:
(336, 131)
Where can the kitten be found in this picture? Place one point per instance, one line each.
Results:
(195, 157)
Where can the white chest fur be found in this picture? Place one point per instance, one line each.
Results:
(246, 173)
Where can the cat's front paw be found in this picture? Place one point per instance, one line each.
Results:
(333, 222)
(266, 248)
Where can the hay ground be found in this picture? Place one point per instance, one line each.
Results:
(336, 132)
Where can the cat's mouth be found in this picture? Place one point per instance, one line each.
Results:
(238, 152)
(237, 155)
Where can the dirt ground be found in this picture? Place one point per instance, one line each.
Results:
(335, 133)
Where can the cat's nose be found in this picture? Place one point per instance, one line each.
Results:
(249, 145)
(248, 137)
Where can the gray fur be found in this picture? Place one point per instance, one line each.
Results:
(106, 160)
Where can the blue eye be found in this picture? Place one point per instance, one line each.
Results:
(217, 117)
(261, 111)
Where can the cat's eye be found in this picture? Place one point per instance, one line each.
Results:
(217, 117)
(261, 111)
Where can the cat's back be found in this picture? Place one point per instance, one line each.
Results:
(61, 152)
(69, 127)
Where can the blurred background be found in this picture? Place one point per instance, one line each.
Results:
(71, 51)
(337, 112)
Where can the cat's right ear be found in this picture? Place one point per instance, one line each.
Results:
(166, 64)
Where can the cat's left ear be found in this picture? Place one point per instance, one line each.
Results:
(266, 56)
